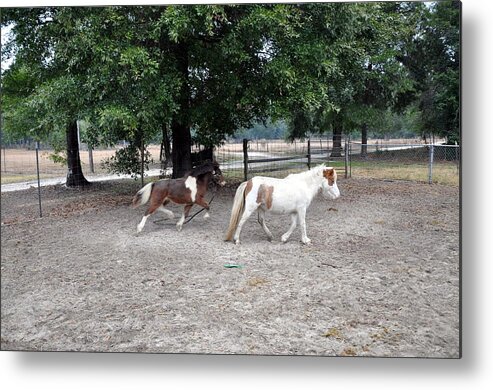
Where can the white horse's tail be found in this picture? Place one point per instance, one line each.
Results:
(236, 211)
(142, 197)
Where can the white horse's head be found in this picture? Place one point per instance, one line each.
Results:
(329, 184)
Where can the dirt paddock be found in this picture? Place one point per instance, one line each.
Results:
(381, 277)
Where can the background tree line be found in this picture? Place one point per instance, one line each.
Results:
(202, 73)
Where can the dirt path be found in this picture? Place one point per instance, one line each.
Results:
(381, 277)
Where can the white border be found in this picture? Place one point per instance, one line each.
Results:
(131, 371)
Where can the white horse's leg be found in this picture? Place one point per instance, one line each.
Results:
(140, 226)
(249, 209)
(301, 217)
(285, 236)
(261, 221)
(169, 213)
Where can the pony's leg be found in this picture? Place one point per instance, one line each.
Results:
(150, 210)
(249, 209)
(169, 213)
(186, 210)
(156, 202)
(301, 217)
(294, 219)
(140, 226)
(202, 202)
(261, 221)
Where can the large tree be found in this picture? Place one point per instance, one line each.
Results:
(41, 100)
(212, 69)
(432, 56)
(369, 77)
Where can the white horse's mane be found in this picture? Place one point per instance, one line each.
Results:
(314, 171)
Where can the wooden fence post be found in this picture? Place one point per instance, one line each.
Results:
(91, 160)
(245, 159)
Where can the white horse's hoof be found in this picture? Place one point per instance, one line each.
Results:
(237, 242)
(207, 216)
(284, 239)
(179, 227)
(306, 241)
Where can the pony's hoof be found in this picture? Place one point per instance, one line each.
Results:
(237, 242)
(284, 239)
(269, 238)
(207, 216)
(306, 241)
(179, 227)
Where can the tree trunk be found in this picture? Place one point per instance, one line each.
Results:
(364, 140)
(337, 138)
(181, 155)
(75, 177)
(180, 125)
(165, 148)
(142, 156)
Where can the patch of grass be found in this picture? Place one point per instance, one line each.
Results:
(334, 333)
(442, 173)
(349, 351)
(255, 282)
(19, 178)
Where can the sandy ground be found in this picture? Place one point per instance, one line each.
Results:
(381, 277)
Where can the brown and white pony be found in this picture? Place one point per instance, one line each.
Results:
(186, 191)
(291, 195)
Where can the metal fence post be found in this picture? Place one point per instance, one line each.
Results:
(430, 169)
(309, 155)
(346, 157)
(245, 159)
(350, 153)
(39, 184)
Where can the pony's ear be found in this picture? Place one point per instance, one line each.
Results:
(329, 174)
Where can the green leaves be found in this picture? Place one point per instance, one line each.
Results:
(218, 68)
(127, 161)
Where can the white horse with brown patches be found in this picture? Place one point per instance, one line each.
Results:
(291, 195)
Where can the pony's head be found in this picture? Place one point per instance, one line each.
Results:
(329, 184)
(217, 175)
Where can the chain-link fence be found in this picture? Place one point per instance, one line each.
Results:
(431, 163)
(23, 164)
(242, 159)
(246, 158)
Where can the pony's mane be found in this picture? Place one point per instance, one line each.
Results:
(202, 169)
(310, 172)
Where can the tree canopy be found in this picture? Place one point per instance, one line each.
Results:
(211, 70)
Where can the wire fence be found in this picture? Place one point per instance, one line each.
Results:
(23, 164)
(431, 163)
(239, 160)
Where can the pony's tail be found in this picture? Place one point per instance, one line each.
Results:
(237, 211)
(142, 197)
